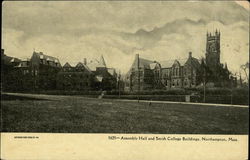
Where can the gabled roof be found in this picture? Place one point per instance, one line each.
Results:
(153, 65)
(167, 64)
(99, 78)
(182, 61)
(194, 61)
(102, 61)
(143, 63)
(67, 65)
(80, 64)
(111, 71)
(93, 64)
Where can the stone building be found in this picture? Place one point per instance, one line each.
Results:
(213, 51)
(220, 75)
(145, 74)
(180, 73)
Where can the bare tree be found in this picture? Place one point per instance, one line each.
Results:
(245, 67)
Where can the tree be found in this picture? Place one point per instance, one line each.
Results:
(204, 74)
(245, 67)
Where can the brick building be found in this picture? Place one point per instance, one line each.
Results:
(9, 78)
(92, 75)
(44, 70)
(78, 77)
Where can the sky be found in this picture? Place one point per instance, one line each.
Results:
(161, 30)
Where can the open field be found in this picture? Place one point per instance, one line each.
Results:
(73, 114)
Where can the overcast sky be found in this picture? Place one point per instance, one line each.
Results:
(158, 30)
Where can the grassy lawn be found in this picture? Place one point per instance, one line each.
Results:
(71, 114)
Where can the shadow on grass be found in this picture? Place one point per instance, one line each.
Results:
(20, 98)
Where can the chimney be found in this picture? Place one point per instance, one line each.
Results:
(85, 61)
(190, 54)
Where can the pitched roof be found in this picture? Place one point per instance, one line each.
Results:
(93, 64)
(143, 63)
(43, 56)
(196, 62)
(102, 61)
(99, 78)
(80, 64)
(8, 60)
(152, 65)
(182, 61)
(167, 64)
(46, 57)
(111, 71)
(66, 65)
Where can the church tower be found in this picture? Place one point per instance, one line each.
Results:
(213, 50)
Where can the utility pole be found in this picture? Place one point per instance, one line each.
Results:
(119, 77)
(138, 66)
(204, 85)
(231, 90)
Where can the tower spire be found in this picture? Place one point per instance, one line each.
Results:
(102, 61)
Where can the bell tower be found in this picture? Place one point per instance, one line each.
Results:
(213, 50)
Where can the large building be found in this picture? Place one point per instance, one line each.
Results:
(181, 73)
(92, 75)
(145, 74)
(8, 75)
(213, 51)
(78, 77)
(44, 70)
(219, 74)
